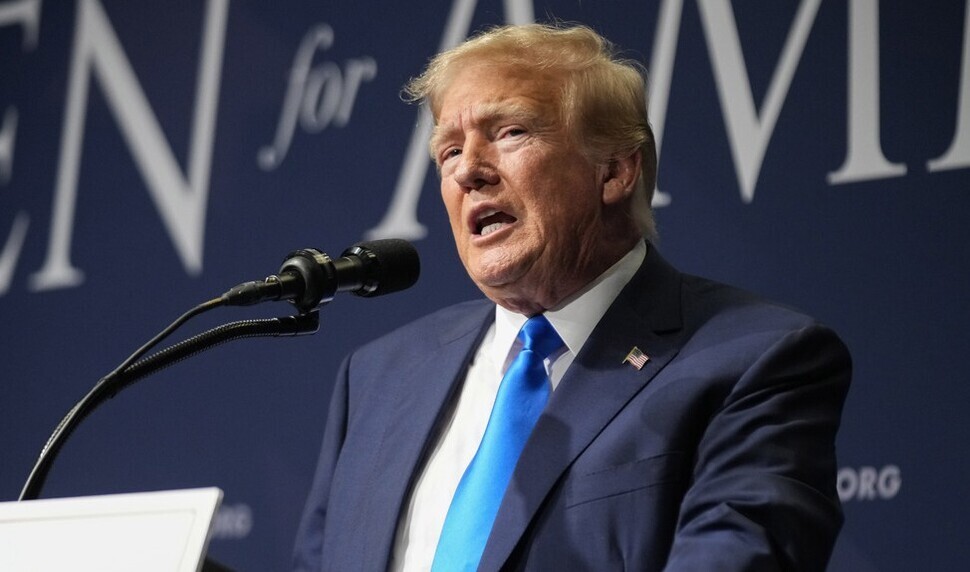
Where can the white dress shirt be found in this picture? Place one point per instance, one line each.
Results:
(420, 524)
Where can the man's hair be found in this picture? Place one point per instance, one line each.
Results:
(603, 100)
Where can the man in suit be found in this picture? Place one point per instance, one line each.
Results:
(684, 424)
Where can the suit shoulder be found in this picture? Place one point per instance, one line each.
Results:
(743, 333)
(436, 328)
(711, 303)
(719, 312)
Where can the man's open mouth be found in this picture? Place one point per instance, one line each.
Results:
(491, 220)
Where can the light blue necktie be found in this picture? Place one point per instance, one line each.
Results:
(521, 398)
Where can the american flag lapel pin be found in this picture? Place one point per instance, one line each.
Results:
(636, 358)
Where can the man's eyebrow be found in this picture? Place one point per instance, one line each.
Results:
(505, 111)
(441, 133)
(488, 114)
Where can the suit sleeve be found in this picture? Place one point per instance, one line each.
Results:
(309, 541)
(763, 494)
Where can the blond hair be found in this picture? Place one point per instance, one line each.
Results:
(603, 97)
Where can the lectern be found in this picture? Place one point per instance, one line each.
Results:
(164, 531)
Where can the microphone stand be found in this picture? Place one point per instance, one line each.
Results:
(128, 373)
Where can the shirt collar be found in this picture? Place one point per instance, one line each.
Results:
(575, 319)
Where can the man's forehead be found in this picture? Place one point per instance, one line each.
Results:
(497, 84)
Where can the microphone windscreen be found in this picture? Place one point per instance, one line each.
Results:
(391, 265)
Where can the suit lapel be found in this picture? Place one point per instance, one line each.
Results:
(595, 388)
(413, 422)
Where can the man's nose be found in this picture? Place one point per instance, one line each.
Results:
(476, 166)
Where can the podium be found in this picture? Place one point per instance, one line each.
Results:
(165, 531)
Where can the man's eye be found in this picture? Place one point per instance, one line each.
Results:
(514, 132)
(452, 152)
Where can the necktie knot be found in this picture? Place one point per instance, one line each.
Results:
(538, 336)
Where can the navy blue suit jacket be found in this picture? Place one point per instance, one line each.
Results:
(717, 455)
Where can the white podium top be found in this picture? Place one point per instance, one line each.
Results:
(160, 531)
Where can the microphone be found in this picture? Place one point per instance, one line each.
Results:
(309, 277)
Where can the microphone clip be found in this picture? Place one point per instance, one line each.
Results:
(307, 278)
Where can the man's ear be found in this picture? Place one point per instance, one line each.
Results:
(620, 177)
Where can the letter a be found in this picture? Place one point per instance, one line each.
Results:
(401, 219)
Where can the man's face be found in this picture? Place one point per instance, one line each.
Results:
(523, 201)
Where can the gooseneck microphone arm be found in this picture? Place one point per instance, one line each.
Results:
(308, 278)
(111, 384)
(35, 481)
(126, 375)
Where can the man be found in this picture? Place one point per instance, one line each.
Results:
(683, 425)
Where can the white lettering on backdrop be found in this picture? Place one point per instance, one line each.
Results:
(958, 155)
(320, 96)
(26, 14)
(180, 198)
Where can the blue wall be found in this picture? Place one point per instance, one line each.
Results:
(816, 152)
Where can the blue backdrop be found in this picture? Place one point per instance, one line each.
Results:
(153, 154)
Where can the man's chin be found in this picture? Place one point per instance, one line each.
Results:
(491, 268)
(505, 289)
(501, 269)
(493, 281)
